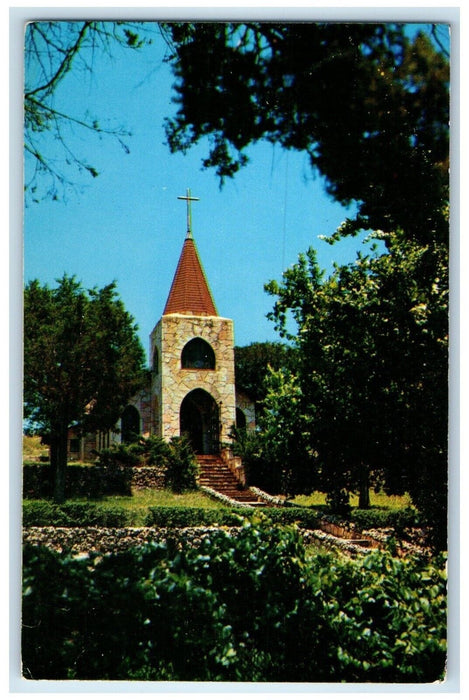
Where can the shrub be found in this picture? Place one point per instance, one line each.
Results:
(366, 519)
(91, 481)
(246, 608)
(39, 513)
(399, 519)
(154, 451)
(182, 467)
(70, 514)
(121, 454)
(177, 457)
(157, 451)
(37, 480)
(303, 517)
(338, 501)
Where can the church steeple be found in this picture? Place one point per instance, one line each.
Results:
(190, 294)
(192, 355)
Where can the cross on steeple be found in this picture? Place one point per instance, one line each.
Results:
(189, 199)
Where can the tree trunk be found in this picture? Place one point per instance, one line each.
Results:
(364, 497)
(58, 462)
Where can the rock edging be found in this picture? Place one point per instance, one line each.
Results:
(82, 540)
(102, 540)
(224, 499)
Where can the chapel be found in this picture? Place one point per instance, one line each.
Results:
(191, 387)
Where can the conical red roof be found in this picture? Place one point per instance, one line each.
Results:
(190, 293)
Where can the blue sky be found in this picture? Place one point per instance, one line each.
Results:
(128, 225)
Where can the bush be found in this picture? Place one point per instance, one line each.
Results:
(37, 480)
(112, 475)
(338, 501)
(367, 519)
(246, 608)
(399, 519)
(182, 467)
(177, 457)
(44, 513)
(91, 481)
(39, 513)
(154, 451)
(157, 451)
(121, 455)
(303, 517)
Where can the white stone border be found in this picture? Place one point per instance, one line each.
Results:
(275, 500)
(224, 499)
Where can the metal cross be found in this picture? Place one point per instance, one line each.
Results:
(189, 199)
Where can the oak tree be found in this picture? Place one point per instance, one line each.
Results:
(372, 343)
(82, 362)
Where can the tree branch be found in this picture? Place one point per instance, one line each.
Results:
(64, 66)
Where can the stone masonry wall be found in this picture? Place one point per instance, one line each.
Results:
(245, 404)
(173, 332)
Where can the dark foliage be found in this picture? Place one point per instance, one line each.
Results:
(368, 106)
(92, 481)
(252, 364)
(182, 468)
(249, 608)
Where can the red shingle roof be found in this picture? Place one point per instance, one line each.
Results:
(190, 293)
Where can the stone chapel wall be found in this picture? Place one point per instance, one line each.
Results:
(173, 332)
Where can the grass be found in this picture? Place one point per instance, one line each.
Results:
(141, 500)
(32, 448)
(144, 498)
(377, 500)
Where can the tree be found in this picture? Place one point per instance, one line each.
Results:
(372, 347)
(52, 51)
(252, 364)
(368, 105)
(82, 362)
(285, 436)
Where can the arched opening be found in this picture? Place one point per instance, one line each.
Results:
(240, 419)
(130, 424)
(197, 354)
(199, 422)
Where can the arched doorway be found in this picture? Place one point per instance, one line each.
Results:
(130, 424)
(199, 421)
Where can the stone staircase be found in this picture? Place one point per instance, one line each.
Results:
(215, 474)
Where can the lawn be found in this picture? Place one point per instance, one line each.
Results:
(144, 498)
(141, 500)
(32, 448)
(377, 500)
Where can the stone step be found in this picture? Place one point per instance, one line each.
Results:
(221, 482)
(215, 474)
